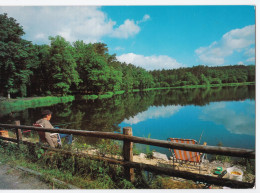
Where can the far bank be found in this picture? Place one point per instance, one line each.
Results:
(10, 105)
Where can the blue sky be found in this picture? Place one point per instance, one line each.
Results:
(153, 37)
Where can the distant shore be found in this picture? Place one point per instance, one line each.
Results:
(9, 105)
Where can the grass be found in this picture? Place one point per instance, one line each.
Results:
(215, 85)
(102, 96)
(106, 95)
(196, 86)
(202, 86)
(80, 172)
(119, 92)
(11, 105)
(89, 97)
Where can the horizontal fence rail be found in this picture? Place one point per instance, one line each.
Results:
(227, 151)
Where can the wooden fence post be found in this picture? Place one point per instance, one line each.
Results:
(128, 154)
(18, 133)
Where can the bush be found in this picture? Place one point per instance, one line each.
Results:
(164, 84)
(215, 81)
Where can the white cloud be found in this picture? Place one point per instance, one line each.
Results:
(129, 28)
(150, 62)
(240, 38)
(87, 23)
(252, 60)
(250, 53)
(40, 36)
(118, 48)
(153, 113)
(237, 40)
(145, 18)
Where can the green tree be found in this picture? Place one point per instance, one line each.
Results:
(92, 67)
(127, 77)
(99, 74)
(100, 48)
(115, 80)
(40, 81)
(142, 78)
(16, 58)
(83, 54)
(62, 70)
(203, 80)
(190, 78)
(251, 73)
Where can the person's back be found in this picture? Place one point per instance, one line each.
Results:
(52, 140)
(45, 123)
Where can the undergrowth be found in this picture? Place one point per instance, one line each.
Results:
(248, 163)
(79, 171)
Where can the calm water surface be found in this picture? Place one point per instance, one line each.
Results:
(229, 123)
(217, 115)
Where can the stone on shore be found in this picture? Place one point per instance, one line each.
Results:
(158, 155)
(142, 155)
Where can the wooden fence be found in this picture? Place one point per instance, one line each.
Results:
(128, 140)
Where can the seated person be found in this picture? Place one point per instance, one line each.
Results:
(67, 136)
(52, 140)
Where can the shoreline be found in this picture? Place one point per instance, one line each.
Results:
(9, 105)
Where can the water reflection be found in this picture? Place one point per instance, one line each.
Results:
(237, 118)
(153, 113)
(227, 122)
(224, 113)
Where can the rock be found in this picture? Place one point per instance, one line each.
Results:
(158, 155)
(226, 165)
(215, 162)
(206, 161)
(142, 155)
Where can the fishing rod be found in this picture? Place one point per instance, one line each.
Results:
(68, 123)
(201, 136)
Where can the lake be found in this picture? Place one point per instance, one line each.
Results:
(223, 115)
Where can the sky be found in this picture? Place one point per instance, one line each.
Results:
(152, 37)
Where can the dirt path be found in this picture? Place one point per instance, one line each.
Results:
(11, 178)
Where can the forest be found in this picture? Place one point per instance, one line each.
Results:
(63, 68)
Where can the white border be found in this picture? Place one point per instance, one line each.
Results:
(158, 3)
(126, 2)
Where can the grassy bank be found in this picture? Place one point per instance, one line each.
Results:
(111, 94)
(200, 86)
(217, 85)
(10, 105)
(102, 96)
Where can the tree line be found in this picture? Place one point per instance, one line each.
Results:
(62, 68)
(204, 75)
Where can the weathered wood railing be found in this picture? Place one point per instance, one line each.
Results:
(128, 163)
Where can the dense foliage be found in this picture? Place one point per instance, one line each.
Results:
(63, 68)
(17, 58)
(204, 75)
